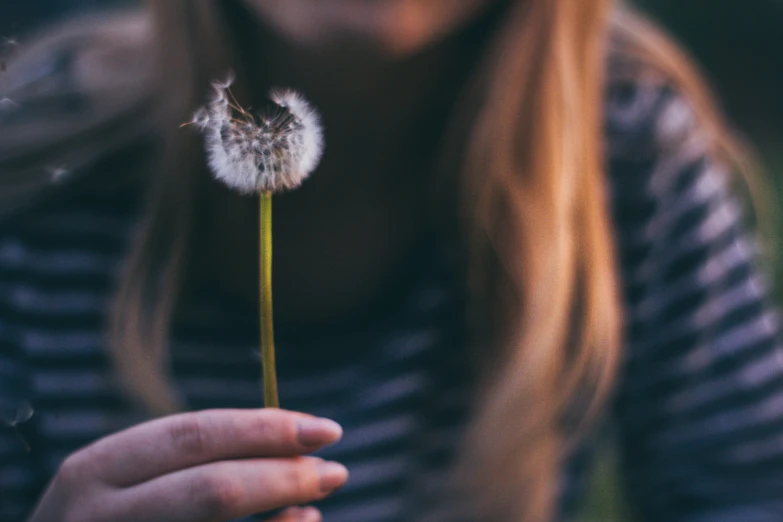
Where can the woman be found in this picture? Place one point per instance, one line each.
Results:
(522, 225)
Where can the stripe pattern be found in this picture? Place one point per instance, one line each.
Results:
(699, 410)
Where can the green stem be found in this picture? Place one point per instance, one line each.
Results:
(265, 288)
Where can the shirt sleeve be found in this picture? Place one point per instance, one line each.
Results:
(700, 403)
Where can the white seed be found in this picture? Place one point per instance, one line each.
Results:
(272, 151)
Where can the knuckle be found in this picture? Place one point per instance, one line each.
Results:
(187, 433)
(216, 496)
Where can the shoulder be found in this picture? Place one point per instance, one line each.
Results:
(661, 134)
(648, 116)
(674, 187)
(661, 118)
(73, 96)
(656, 102)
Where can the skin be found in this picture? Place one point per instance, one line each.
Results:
(377, 70)
(211, 465)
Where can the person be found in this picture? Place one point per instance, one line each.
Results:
(525, 227)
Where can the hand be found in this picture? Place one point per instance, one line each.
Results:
(207, 466)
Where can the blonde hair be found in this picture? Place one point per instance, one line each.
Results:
(535, 224)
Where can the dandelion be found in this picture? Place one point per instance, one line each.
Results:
(270, 152)
(265, 153)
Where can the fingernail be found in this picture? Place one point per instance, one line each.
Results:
(312, 431)
(332, 475)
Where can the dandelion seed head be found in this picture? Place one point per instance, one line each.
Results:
(225, 84)
(311, 135)
(201, 118)
(271, 151)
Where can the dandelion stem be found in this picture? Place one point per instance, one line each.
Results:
(265, 287)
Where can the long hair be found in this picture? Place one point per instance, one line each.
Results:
(535, 225)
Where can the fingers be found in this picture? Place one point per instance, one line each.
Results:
(229, 490)
(297, 514)
(181, 441)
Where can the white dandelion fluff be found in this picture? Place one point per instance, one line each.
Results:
(273, 150)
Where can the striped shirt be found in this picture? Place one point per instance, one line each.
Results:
(699, 408)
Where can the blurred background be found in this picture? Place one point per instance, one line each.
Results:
(739, 46)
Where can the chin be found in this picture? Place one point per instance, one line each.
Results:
(395, 28)
(395, 41)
